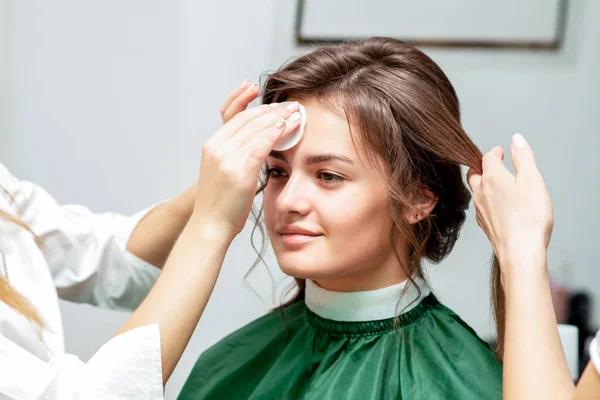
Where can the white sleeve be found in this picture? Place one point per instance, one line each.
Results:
(595, 352)
(127, 367)
(86, 252)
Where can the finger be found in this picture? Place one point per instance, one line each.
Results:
(236, 123)
(522, 156)
(264, 122)
(234, 94)
(258, 148)
(493, 160)
(240, 103)
(474, 180)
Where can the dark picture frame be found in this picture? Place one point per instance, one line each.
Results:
(554, 44)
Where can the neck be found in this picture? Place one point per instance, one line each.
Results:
(389, 272)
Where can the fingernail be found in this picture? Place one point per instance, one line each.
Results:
(519, 141)
(252, 87)
(295, 116)
(293, 106)
(245, 83)
(280, 123)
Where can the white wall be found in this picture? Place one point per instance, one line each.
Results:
(6, 40)
(111, 101)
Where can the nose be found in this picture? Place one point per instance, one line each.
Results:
(295, 197)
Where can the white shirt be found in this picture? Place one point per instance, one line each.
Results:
(83, 259)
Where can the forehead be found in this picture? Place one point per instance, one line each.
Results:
(325, 131)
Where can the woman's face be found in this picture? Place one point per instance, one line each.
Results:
(327, 212)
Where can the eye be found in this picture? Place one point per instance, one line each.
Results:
(330, 178)
(274, 173)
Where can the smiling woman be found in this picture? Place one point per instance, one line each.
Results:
(327, 213)
(373, 188)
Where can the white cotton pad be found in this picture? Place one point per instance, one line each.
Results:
(292, 138)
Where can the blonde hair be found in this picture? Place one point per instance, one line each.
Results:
(8, 295)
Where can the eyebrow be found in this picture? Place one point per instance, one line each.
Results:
(316, 158)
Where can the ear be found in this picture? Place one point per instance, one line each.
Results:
(423, 204)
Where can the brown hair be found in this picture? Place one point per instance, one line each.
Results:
(8, 294)
(407, 119)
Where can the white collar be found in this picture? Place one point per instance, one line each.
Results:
(371, 305)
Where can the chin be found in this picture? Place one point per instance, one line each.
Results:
(301, 266)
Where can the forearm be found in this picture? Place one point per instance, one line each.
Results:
(155, 235)
(589, 384)
(182, 291)
(534, 362)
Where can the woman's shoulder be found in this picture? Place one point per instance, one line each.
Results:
(7, 180)
(444, 315)
(444, 346)
(271, 329)
(8, 190)
(12, 190)
(244, 356)
(441, 325)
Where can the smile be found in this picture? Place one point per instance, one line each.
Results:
(297, 239)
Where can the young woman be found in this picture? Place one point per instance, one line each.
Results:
(373, 188)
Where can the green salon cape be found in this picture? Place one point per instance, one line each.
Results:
(425, 353)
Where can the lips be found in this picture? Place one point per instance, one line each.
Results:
(296, 230)
(296, 236)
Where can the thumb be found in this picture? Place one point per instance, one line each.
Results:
(522, 156)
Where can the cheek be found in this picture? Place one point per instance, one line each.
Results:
(355, 209)
(361, 222)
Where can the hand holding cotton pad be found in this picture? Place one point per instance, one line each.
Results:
(292, 138)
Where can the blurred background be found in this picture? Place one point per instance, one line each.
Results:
(107, 104)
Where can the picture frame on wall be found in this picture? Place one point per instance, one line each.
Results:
(531, 24)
